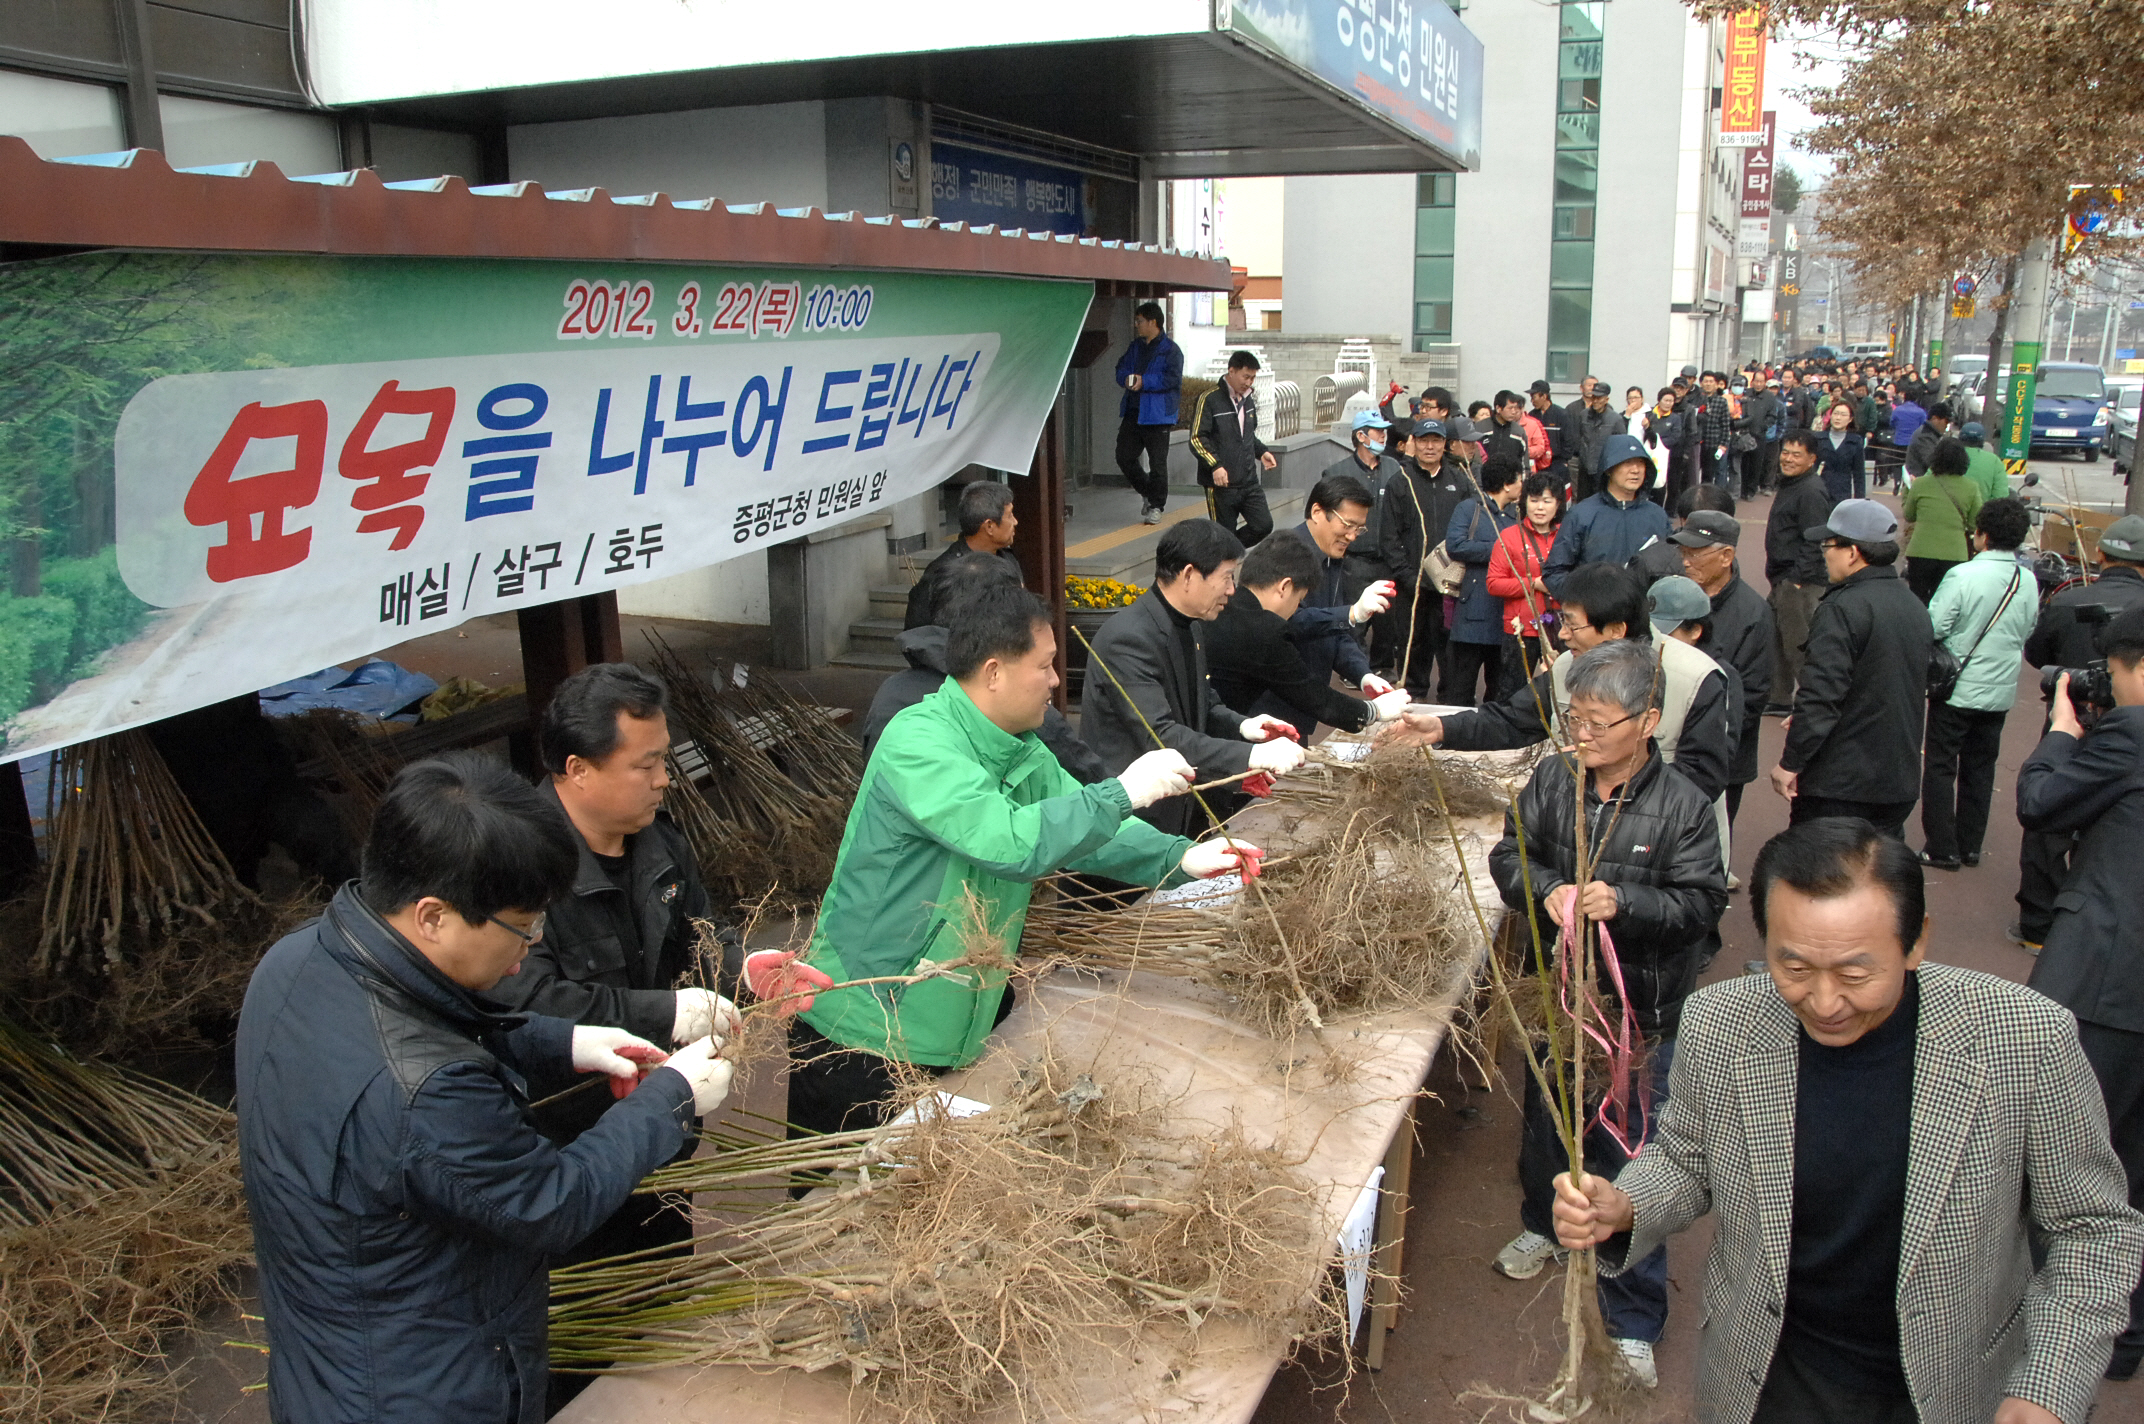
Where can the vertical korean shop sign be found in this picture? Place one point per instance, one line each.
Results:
(1753, 232)
(225, 472)
(1742, 88)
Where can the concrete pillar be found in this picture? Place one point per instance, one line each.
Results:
(1039, 503)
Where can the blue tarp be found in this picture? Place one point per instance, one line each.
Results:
(375, 688)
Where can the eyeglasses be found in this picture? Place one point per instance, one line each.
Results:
(1586, 726)
(528, 936)
(1352, 526)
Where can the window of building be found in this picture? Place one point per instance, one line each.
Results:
(1578, 143)
(1435, 236)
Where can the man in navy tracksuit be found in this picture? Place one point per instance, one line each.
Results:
(1151, 372)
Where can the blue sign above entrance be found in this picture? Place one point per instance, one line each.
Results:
(974, 186)
(1413, 63)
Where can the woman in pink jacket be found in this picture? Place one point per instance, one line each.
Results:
(1515, 576)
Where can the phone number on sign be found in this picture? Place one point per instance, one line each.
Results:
(596, 310)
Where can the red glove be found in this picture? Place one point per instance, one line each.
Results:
(1258, 783)
(649, 1059)
(1248, 858)
(776, 974)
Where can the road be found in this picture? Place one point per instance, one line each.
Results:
(1465, 1328)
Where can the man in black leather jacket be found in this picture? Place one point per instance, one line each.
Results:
(1657, 891)
(2091, 784)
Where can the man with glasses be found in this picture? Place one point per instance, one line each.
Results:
(1336, 514)
(405, 1206)
(624, 934)
(1655, 887)
(1854, 745)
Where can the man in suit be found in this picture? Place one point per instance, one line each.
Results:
(2090, 784)
(1888, 1143)
(1146, 679)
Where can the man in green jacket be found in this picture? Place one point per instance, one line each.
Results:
(961, 809)
(1983, 466)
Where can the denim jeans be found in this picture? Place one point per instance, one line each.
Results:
(1635, 1303)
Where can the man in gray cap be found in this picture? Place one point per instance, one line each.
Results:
(1854, 746)
(1739, 631)
(2061, 639)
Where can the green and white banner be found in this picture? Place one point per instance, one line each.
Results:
(224, 472)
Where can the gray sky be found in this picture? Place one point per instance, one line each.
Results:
(1799, 60)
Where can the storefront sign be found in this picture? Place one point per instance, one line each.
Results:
(976, 187)
(245, 469)
(1414, 63)
(1753, 237)
(1742, 117)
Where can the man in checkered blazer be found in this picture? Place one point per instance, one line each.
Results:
(1882, 1139)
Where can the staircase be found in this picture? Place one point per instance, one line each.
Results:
(871, 640)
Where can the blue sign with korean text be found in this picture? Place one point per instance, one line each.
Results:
(1411, 61)
(974, 186)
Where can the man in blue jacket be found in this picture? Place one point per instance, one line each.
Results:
(405, 1207)
(1612, 526)
(1151, 371)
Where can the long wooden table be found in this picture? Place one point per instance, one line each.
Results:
(1179, 1040)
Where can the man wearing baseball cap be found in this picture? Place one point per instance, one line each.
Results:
(1983, 466)
(1738, 634)
(1854, 746)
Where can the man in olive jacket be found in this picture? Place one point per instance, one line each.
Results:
(961, 809)
(1854, 748)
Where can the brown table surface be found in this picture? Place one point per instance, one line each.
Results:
(1179, 1039)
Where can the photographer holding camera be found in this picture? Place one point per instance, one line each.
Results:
(2065, 636)
(2092, 785)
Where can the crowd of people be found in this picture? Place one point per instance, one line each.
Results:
(1926, 1180)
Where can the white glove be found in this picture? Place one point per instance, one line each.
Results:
(1207, 859)
(709, 1075)
(1156, 775)
(1265, 726)
(1375, 600)
(1387, 705)
(595, 1050)
(701, 1012)
(1374, 686)
(1279, 756)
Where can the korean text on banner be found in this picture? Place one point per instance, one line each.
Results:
(1742, 98)
(1415, 64)
(2018, 400)
(1753, 235)
(281, 463)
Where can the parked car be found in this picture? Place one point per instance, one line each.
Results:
(2070, 409)
(1963, 367)
(1862, 350)
(2124, 394)
(1816, 353)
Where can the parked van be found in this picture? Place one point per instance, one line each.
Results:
(2070, 409)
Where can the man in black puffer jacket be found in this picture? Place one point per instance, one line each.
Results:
(1657, 891)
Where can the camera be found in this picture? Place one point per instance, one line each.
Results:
(2091, 689)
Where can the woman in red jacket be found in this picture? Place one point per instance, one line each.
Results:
(1515, 576)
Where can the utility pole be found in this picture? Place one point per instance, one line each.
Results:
(2028, 324)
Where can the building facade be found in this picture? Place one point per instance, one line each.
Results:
(1597, 236)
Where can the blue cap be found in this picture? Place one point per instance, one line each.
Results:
(1371, 420)
(1429, 427)
(1619, 448)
